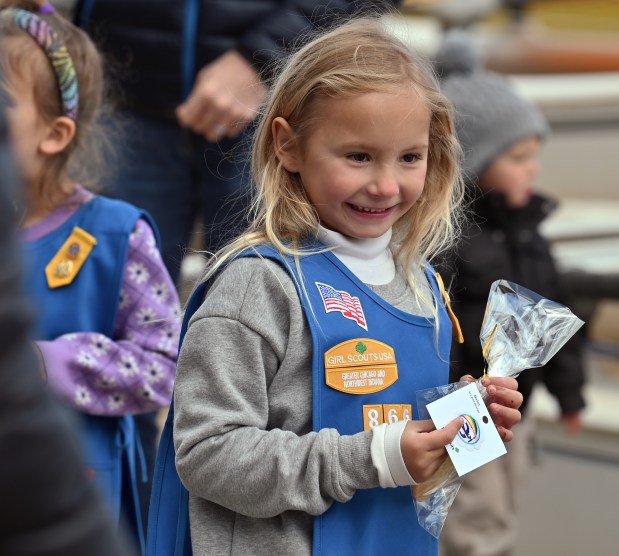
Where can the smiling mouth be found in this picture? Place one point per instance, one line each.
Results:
(370, 210)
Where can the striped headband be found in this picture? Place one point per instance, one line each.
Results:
(47, 38)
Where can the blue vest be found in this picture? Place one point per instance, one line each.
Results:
(90, 304)
(346, 319)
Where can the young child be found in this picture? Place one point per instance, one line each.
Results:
(297, 376)
(501, 134)
(107, 311)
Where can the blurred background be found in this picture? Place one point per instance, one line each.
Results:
(563, 55)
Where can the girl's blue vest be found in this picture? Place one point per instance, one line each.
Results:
(341, 311)
(89, 304)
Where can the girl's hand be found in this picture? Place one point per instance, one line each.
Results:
(503, 403)
(423, 446)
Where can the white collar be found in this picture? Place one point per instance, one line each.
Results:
(370, 259)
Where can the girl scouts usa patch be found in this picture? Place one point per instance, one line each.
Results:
(342, 302)
(360, 366)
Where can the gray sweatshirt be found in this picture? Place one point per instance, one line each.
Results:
(255, 470)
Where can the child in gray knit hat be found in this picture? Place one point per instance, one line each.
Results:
(501, 134)
(491, 117)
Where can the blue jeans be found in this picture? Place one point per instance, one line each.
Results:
(177, 176)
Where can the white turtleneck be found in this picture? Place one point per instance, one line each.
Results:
(370, 259)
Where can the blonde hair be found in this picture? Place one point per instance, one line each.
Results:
(356, 58)
(83, 160)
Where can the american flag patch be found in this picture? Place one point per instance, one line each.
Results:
(342, 302)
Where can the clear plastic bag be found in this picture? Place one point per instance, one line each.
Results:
(521, 330)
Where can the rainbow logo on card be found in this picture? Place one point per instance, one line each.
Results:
(469, 432)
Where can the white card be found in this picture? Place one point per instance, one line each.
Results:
(478, 441)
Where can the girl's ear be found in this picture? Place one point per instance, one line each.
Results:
(285, 144)
(59, 135)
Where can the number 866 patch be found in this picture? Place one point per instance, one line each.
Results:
(374, 415)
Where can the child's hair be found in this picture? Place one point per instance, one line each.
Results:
(21, 56)
(356, 58)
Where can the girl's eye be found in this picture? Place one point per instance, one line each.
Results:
(410, 158)
(358, 157)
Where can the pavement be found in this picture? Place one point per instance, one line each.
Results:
(568, 503)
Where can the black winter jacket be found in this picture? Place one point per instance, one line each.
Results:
(159, 46)
(499, 243)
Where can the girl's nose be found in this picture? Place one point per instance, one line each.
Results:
(385, 183)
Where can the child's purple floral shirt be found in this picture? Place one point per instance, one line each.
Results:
(132, 372)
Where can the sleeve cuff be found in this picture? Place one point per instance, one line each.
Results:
(387, 455)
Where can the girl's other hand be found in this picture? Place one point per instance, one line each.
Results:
(503, 403)
(423, 446)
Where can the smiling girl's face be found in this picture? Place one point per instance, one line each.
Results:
(363, 164)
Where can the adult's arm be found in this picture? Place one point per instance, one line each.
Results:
(48, 507)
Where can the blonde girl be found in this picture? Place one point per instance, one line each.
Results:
(296, 429)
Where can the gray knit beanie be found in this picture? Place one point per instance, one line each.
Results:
(490, 115)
